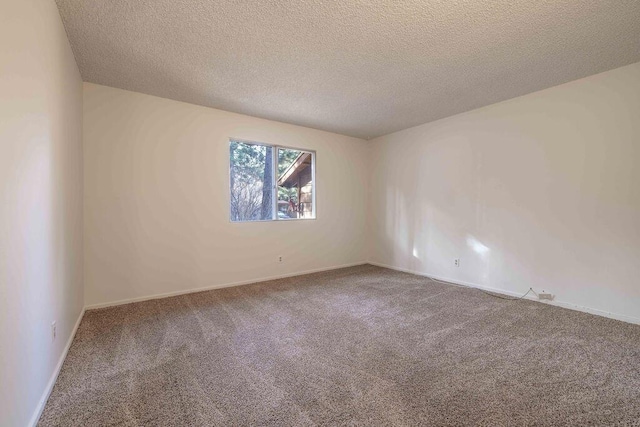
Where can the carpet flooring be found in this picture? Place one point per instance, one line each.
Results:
(356, 346)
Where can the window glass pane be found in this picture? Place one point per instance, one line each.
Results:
(295, 184)
(251, 179)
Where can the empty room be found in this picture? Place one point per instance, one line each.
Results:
(319, 213)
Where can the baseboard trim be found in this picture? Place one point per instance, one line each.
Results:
(570, 306)
(54, 377)
(218, 286)
(52, 380)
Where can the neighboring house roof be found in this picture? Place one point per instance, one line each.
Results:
(289, 177)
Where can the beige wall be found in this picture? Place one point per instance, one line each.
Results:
(542, 191)
(538, 191)
(40, 203)
(156, 199)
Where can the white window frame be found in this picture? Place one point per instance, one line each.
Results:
(274, 192)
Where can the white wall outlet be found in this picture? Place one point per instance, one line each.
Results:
(54, 331)
(456, 262)
(546, 295)
(280, 258)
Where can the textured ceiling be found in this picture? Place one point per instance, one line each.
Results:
(361, 68)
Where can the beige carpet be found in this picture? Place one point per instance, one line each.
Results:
(357, 346)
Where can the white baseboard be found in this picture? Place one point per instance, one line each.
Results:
(47, 392)
(562, 304)
(52, 381)
(218, 286)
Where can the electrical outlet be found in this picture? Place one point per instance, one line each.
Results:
(280, 258)
(456, 262)
(545, 295)
(54, 331)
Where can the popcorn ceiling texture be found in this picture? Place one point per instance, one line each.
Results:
(360, 68)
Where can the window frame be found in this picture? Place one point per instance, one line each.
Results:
(274, 192)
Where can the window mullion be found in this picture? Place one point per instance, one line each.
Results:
(247, 179)
(274, 171)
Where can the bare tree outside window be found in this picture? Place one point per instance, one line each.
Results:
(258, 170)
(251, 184)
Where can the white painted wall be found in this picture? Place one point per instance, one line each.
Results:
(156, 199)
(541, 191)
(40, 203)
(537, 191)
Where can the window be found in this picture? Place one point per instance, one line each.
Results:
(270, 183)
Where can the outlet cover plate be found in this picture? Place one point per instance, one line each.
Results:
(546, 296)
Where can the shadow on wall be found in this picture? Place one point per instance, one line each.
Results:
(35, 247)
(428, 221)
